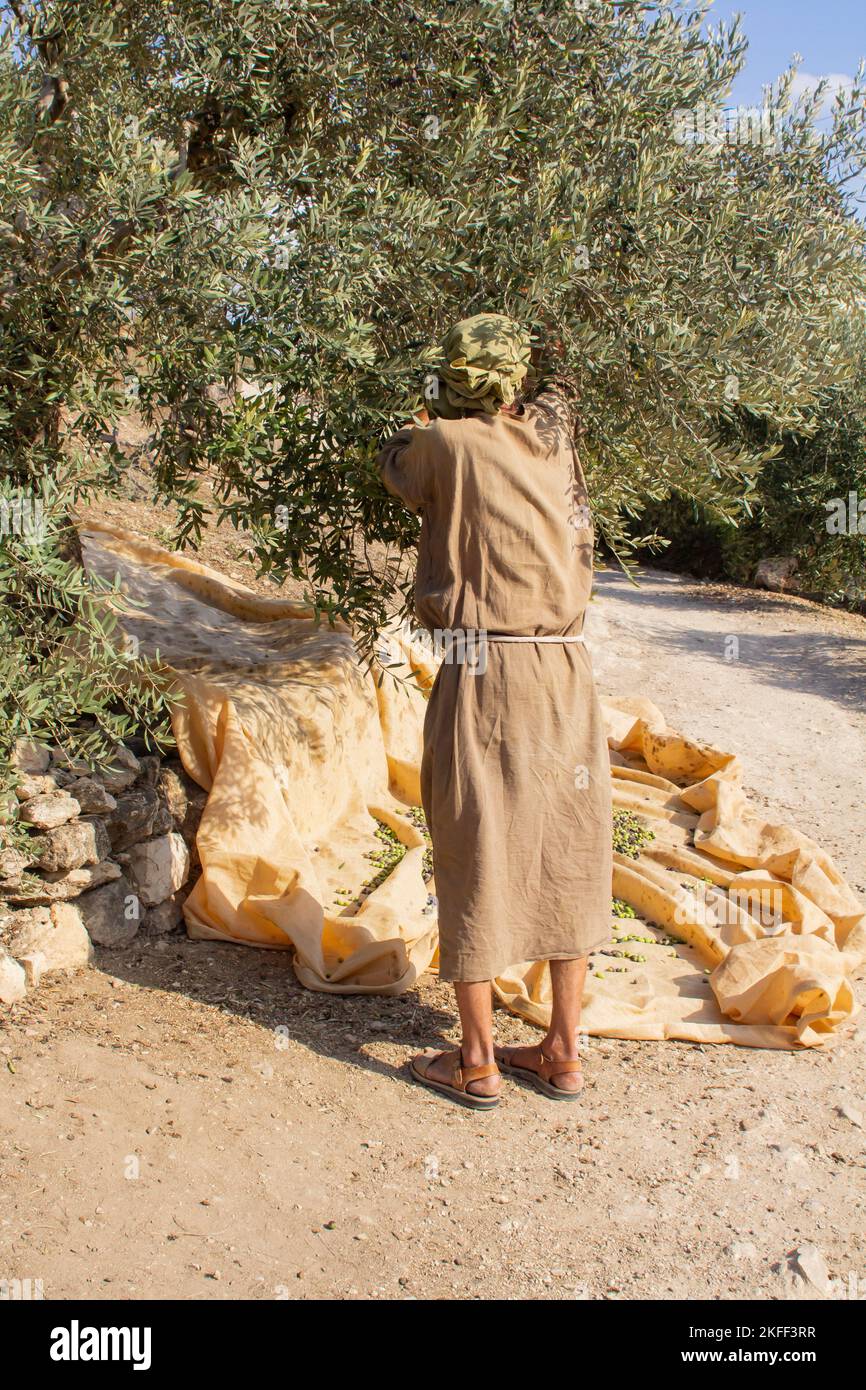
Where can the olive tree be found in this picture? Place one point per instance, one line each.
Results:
(304, 194)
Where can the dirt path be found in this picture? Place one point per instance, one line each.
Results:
(187, 1122)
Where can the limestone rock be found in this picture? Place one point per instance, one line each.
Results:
(123, 771)
(112, 914)
(34, 784)
(150, 766)
(47, 812)
(776, 573)
(166, 916)
(13, 862)
(53, 888)
(174, 776)
(162, 822)
(62, 763)
(134, 817)
(91, 795)
(58, 933)
(13, 980)
(173, 794)
(30, 757)
(80, 880)
(73, 845)
(27, 920)
(159, 867)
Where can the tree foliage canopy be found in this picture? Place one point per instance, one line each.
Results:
(306, 193)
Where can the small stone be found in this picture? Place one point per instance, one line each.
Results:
(789, 1155)
(13, 980)
(34, 967)
(91, 795)
(742, 1250)
(57, 932)
(159, 867)
(850, 1112)
(112, 914)
(30, 757)
(48, 812)
(808, 1262)
(73, 845)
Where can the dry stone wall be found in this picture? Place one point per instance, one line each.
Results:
(108, 855)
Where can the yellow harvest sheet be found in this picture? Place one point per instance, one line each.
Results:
(744, 930)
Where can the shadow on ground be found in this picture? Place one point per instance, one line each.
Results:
(261, 987)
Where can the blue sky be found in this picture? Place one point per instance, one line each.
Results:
(830, 35)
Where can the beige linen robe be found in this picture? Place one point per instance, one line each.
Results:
(515, 774)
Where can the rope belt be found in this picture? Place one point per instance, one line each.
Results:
(499, 637)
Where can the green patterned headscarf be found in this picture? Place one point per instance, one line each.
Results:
(484, 360)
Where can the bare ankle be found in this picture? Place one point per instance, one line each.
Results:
(561, 1045)
(476, 1054)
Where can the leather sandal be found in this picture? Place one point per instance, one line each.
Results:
(540, 1077)
(461, 1077)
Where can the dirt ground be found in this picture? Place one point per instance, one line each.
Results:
(186, 1122)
